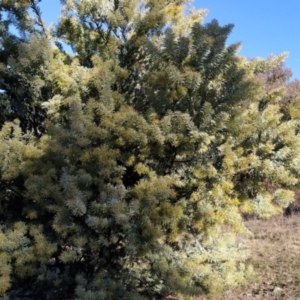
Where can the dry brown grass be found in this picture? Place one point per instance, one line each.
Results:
(275, 249)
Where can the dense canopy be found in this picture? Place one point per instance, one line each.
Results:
(127, 165)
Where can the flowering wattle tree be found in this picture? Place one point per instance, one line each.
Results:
(125, 166)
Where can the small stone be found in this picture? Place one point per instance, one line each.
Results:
(277, 289)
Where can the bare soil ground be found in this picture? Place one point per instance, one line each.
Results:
(275, 249)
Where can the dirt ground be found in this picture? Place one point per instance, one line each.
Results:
(275, 248)
(275, 257)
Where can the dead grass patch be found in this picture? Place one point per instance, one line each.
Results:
(275, 248)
